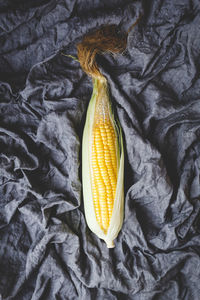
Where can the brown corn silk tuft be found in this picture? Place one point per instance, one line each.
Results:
(104, 165)
(105, 39)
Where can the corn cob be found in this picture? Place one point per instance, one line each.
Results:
(102, 148)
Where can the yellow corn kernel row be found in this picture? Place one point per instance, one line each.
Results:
(104, 170)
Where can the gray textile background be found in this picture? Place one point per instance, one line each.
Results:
(46, 249)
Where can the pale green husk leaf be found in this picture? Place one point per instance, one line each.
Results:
(118, 208)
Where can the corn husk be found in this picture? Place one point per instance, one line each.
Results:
(118, 208)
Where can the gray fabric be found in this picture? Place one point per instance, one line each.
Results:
(46, 248)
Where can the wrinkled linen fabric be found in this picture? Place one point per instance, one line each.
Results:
(46, 248)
